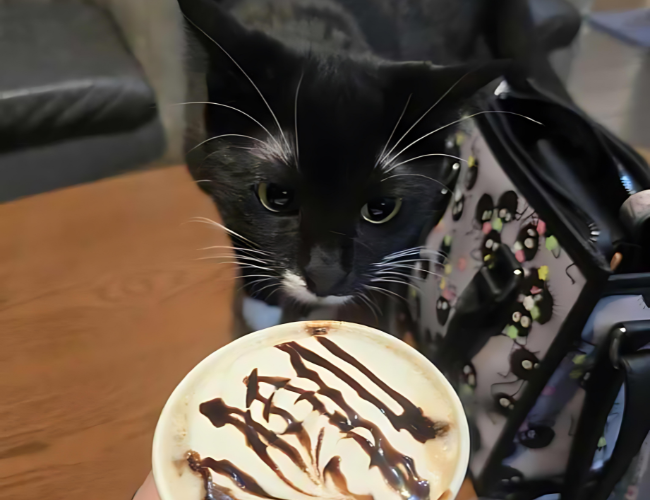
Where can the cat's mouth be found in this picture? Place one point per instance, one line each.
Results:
(295, 287)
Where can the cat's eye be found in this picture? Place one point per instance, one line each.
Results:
(275, 198)
(381, 210)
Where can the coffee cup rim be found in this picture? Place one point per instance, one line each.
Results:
(165, 421)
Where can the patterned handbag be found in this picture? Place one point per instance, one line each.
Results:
(517, 301)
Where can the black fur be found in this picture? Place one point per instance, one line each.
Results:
(347, 106)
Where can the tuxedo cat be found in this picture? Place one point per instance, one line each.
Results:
(326, 152)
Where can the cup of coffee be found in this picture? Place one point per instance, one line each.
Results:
(312, 410)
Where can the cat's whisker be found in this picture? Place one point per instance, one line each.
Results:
(400, 252)
(396, 262)
(205, 220)
(384, 280)
(395, 273)
(240, 264)
(257, 292)
(459, 121)
(416, 175)
(423, 115)
(240, 258)
(393, 167)
(203, 180)
(385, 292)
(361, 296)
(279, 286)
(235, 248)
(253, 283)
(209, 139)
(232, 108)
(295, 119)
(277, 122)
(393, 132)
(412, 268)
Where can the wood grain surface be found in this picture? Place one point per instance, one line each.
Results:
(103, 309)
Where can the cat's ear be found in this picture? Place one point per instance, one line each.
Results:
(457, 83)
(224, 38)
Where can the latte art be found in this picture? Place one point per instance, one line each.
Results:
(321, 414)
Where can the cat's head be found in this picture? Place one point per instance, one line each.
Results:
(322, 163)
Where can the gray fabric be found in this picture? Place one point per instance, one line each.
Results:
(66, 73)
(36, 170)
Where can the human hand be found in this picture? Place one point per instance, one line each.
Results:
(148, 490)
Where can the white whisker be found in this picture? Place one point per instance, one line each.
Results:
(395, 262)
(416, 175)
(403, 252)
(205, 220)
(422, 156)
(423, 115)
(277, 122)
(236, 248)
(295, 119)
(234, 109)
(395, 273)
(461, 120)
(209, 139)
(239, 258)
(384, 291)
(394, 129)
(370, 305)
(384, 280)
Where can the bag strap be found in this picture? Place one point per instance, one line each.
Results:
(618, 361)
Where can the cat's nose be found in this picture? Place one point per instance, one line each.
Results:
(324, 273)
(324, 280)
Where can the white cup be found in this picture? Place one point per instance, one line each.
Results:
(174, 479)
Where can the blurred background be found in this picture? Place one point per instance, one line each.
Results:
(103, 305)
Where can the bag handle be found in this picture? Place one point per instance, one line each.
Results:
(618, 360)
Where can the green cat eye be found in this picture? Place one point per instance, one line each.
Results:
(381, 210)
(275, 198)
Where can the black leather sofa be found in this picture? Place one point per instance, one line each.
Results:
(74, 103)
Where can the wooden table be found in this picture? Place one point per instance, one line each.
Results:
(103, 309)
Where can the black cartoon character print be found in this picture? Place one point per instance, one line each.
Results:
(443, 308)
(484, 210)
(469, 376)
(536, 297)
(523, 363)
(507, 206)
(490, 245)
(457, 205)
(536, 436)
(444, 253)
(471, 174)
(520, 322)
(527, 243)
(534, 304)
(503, 403)
(509, 476)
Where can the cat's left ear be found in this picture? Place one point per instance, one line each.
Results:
(224, 37)
(459, 82)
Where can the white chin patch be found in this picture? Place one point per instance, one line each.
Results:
(295, 287)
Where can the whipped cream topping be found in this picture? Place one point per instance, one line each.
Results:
(328, 414)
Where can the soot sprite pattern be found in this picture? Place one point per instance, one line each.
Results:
(491, 236)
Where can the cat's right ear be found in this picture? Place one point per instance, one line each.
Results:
(224, 38)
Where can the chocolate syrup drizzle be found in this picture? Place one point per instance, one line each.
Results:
(397, 469)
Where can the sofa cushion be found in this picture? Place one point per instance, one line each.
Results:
(66, 72)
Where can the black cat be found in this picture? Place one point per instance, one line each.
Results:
(320, 154)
